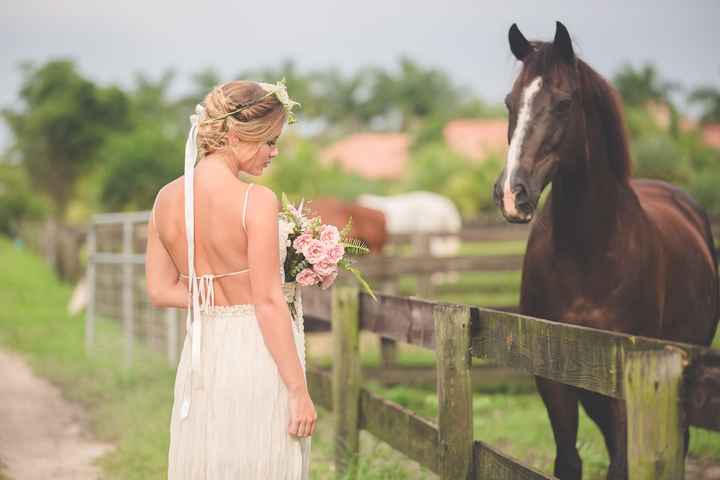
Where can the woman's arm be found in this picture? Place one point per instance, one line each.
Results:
(270, 307)
(163, 279)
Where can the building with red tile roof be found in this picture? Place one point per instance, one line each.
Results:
(476, 138)
(371, 155)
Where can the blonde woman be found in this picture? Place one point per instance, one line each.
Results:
(241, 405)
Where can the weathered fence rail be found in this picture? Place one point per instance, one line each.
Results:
(664, 384)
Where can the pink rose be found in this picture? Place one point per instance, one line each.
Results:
(329, 234)
(324, 268)
(328, 281)
(314, 251)
(307, 277)
(335, 253)
(301, 241)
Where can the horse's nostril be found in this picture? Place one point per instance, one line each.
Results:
(521, 196)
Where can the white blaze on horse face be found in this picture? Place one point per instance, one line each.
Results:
(516, 143)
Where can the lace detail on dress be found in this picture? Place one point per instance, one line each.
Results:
(222, 310)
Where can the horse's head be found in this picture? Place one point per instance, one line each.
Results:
(546, 121)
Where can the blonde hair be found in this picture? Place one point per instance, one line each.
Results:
(257, 123)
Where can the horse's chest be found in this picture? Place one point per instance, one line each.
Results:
(598, 294)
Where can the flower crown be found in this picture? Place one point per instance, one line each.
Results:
(278, 89)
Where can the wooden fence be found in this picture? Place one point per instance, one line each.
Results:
(117, 288)
(664, 384)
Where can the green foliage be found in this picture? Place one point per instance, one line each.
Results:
(137, 162)
(356, 247)
(704, 188)
(659, 156)
(417, 91)
(640, 123)
(136, 165)
(62, 121)
(709, 99)
(436, 168)
(17, 200)
(640, 86)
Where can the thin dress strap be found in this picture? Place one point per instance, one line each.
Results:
(154, 207)
(245, 204)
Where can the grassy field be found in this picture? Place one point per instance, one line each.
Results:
(131, 407)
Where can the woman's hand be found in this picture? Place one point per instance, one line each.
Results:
(302, 414)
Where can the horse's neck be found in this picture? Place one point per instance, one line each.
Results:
(586, 203)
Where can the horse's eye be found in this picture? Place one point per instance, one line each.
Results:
(563, 106)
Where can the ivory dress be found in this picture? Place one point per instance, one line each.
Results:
(230, 412)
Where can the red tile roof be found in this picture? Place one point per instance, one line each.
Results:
(372, 155)
(711, 135)
(476, 137)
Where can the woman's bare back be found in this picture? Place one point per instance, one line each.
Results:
(221, 243)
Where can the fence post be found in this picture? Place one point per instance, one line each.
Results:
(346, 378)
(127, 293)
(652, 382)
(455, 419)
(91, 290)
(421, 249)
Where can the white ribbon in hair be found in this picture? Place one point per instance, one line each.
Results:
(192, 324)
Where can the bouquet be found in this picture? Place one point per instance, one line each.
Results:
(316, 252)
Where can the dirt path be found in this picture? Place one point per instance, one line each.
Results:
(42, 435)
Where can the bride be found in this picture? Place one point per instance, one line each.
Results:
(241, 405)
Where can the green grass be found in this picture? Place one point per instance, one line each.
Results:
(131, 408)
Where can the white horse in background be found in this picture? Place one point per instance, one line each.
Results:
(420, 212)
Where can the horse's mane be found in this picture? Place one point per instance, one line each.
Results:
(600, 101)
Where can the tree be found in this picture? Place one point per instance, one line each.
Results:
(416, 91)
(140, 160)
(60, 125)
(17, 200)
(58, 128)
(709, 99)
(638, 87)
(137, 164)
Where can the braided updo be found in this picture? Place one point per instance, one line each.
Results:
(255, 124)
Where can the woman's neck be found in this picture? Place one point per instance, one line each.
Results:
(226, 160)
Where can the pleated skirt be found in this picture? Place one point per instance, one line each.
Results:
(237, 427)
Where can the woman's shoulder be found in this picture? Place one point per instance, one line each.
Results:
(175, 185)
(262, 196)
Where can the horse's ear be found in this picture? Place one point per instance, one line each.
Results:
(518, 43)
(563, 44)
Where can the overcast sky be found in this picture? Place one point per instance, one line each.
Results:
(468, 39)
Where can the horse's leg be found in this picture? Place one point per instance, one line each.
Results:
(609, 415)
(561, 402)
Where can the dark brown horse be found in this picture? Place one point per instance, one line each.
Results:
(367, 224)
(608, 252)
